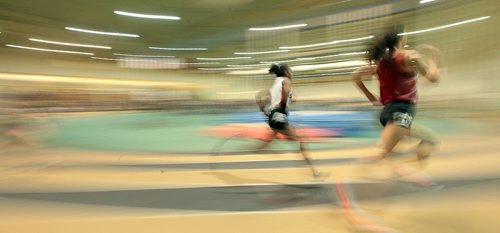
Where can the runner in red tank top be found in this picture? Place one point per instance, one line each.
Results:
(396, 83)
(397, 70)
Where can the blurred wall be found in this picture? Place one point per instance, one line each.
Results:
(470, 55)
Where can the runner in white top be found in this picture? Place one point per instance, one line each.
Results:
(279, 96)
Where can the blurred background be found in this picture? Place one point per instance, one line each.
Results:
(140, 116)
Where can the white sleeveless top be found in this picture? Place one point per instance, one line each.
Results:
(276, 91)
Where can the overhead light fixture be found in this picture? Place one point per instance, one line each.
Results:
(48, 50)
(221, 58)
(278, 28)
(140, 55)
(308, 46)
(100, 81)
(101, 32)
(333, 55)
(426, 1)
(145, 59)
(444, 26)
(329, 65)
(221, 68)
(321, 75)
(262, 52)
(197, 63)
(338, 69)
(248, 72)
(355, 39)
(326, 43)
(147, 16)
(252, 65)
(70, 44)
(236, 92)
(282, 61)
(104, 58)
(125, 59)
(177, 49)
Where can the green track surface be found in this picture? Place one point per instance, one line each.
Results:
(164, 132)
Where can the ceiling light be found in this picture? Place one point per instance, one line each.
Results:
(248, 72)
(221, 58)
(329, 65)
(326, 43)
(197, 63)
(333, 55)
(338, 69)
(223, 68)
(309, 45)
(106, 59)
(177, 49)
(355, 39)
(138, 15)
(276, 62)
(70, 44)
(139, 55)
(262, 52)
(236, 93)
(253, 65)
(101, 32)
(320, 75)
(125, 59)
(146, 59)
(100, 81)
(48, 50)
(278, 28)
(444, 26)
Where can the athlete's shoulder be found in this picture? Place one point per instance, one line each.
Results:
(400, 54)
(404, 57)
(278, 79)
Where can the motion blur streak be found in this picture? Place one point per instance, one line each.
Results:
(161, 125)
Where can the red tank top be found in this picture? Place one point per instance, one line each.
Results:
(395, 83)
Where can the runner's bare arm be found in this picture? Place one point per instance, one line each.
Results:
(425, 67)
(285, 92)
(262, 98)
(357, 76)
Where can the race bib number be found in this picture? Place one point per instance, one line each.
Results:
(402, 119)
(279, 117)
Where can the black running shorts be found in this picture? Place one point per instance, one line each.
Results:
(399, 113)
(278, 119)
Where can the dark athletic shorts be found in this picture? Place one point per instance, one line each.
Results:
(399, 113)
(278, 119)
